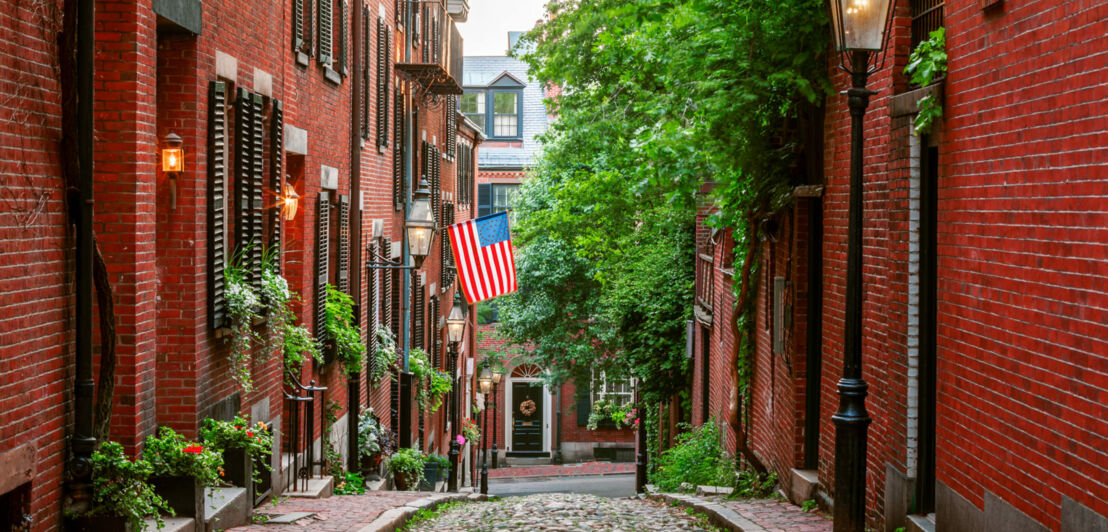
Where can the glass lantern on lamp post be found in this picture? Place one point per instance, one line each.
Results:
(860, 30)
(420, 224)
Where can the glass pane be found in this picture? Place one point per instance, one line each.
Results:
(505, 103)
(478, 120)
(505, 125)
(473, 103)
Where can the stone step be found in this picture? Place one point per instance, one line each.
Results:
(921, 523)
(318, 488)
(226, 508)
(173, 524)
(804, 482)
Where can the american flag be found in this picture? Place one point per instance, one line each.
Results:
(483, 255)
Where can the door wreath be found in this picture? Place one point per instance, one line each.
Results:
(527, 407)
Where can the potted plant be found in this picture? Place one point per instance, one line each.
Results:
(406, 466)
(343, 331)
(435, 468)
(181, 470)
(374, 443)
(121, 498)
(242, 445)
(470, 430)
(432, 384)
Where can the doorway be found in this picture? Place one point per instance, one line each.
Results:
(925, 472)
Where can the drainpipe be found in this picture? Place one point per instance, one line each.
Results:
(558, 426)
(354, 380)
(83, 442)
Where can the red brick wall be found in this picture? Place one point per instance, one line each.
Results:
(1023, 311)
(36, 338)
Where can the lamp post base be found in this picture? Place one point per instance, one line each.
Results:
(495, 455)
(452, 479)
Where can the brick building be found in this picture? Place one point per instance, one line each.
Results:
(983, 259)
(349, 104)
(502, 100)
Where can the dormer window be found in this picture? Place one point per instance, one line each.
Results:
(505, 96)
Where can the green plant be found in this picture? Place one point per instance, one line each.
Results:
(624, 415)
(442, 461)
(119, 487)
(299, 346)
(808, 505)
(170, 455)
(749, 484)
(409, 464)
(471, 431)
(370, 434)
(927, 62)
(385, 354)
(342, 329)
(274, 296)
(242, 307)
(238, 433)
(697, 458)
(352, 484)
(426, 514)
(433, 384)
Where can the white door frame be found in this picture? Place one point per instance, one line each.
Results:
(548, 409)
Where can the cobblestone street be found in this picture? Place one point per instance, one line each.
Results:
(563, 512)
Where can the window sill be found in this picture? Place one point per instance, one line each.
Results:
(332, 76)
(302, 59)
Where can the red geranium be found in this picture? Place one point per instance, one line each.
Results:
(194, 449)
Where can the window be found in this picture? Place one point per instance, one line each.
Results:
(473, 106)
(506, 114)
(502, 197)
(618, 391)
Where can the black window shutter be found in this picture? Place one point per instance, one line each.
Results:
(276, 176)
(451, 125)
(484, 199)
(324, 20)
(371, 314)
(344, 243)
(344, 21)
(257, 186)
(394, 293)
(433, 320)
(322, 235)
(366, 49)
(217, 190)
(382, 100)
(297, 25)
(417, 314)
(436, 183)
(447, 252)
(584, 408)
(244, 198)
(399, 158)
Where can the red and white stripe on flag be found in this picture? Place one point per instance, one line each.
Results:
(483, 255)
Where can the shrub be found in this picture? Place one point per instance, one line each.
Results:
(409, 464)
(170, 455)
(119, 487)
(698, 458)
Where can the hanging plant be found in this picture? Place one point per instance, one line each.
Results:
(242, 305)
(385, 354)
(274, 295)
(926, 64)
(432, 384)
(298, 347)
(342, 330)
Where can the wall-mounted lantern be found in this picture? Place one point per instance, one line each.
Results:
(290, 201)
(173, 163)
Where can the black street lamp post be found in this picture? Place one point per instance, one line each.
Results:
(486, 386)
(495, 416)
(860, 28)
(455, 328)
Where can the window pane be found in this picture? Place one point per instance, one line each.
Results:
(505, 103)
(478, 120)
(473, 103)
(505, 125)
(502, 197)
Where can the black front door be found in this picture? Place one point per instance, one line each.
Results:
(527, 423)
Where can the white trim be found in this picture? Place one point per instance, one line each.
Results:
(548, 412)
(911, 455)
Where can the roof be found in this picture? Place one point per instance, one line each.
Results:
(481, 72)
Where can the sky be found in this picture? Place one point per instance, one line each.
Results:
(486, 31)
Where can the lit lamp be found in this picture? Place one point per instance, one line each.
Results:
(860, 28)
(456, 320)
(173, 163)
(420, 224)
(290, 201)
(485, 381)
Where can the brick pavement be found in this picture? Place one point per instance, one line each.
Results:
(568, 470)
(340, 513)
(775, 515)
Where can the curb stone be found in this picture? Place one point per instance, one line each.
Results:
(720, 516)
(394, 518)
